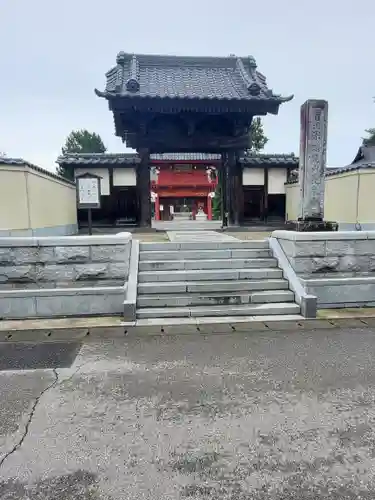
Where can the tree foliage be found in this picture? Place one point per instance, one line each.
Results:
(83, 141)
(257, 137)
(80, 141)
(370, 140)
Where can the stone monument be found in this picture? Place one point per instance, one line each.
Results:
(312, 166)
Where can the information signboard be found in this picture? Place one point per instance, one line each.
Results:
(88, 195)
(88, 192)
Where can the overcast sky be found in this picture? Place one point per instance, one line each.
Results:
(54, 53)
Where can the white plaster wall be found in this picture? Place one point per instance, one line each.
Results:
(253, 176)
(101, 172)
(276, 180)
(124, 177)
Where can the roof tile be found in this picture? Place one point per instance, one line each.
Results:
(252, 159)
(222, 78)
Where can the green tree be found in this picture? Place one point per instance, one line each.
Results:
(257, 137)
(257, 140)
(370, 140)
(80, 141)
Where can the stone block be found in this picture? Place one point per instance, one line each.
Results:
(18, 274)
(72, 254)
(169, 265)
(163, 301)
(247, 253)
(6, 257)
(55, 273)
(233, 286)
(260, 274)
(80, 304)
(90, 271)
(117, 271)
(305, 248)
(192, 275)
(23, 241)
(156, 288)
(110, 253)
(325, 264)
(339, 248)
(159, 247)
(17, 307)
(365, 247)
(172, 312)
(343, 294)
(68, 241)
(354, 264)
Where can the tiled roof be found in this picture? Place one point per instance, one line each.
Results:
(98, 159)
(270, 159)
(174, 77)
(22, 163)
(256, 159)
(365, 158)
(185, 156)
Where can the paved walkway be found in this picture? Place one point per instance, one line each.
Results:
(199, 236)
(186, 225)
(276, 415)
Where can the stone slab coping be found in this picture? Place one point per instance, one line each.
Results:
(65, 241)
(324, 235)
(107, 328)
(361, 280)
(60, 292)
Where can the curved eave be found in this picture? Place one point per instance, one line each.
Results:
(285, 99)
(105, 94)
(275, 99)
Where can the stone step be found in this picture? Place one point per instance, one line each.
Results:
(209, 286)
(246, 253)
(204, 245)
(214, 298)
(279, 308)
(176, 265)
(209, 275)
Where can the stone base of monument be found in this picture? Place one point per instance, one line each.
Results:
(306, 225)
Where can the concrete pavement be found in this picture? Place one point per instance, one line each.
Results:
(264, 415)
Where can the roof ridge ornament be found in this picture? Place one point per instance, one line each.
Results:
(250, 80)
(132, 85)
(120, 60)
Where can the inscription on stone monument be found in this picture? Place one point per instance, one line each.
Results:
(313, 147)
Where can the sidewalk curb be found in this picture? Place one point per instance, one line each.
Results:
(94, 329)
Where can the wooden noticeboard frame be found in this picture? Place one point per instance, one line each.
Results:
(88, 194)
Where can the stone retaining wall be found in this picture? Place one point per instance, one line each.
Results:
(63, 276)
(329, 254)
(337, 267)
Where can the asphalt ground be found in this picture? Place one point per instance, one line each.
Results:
(265, 415)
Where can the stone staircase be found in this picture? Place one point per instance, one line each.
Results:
(238, 278)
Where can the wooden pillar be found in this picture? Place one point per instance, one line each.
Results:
(224, 186)
(238, 194)
(265, 196)
(157, 208)
(144, 188)
(233, 211)
(209, 207)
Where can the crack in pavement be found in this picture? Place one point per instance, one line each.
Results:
(57, 381)
(30, 417)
